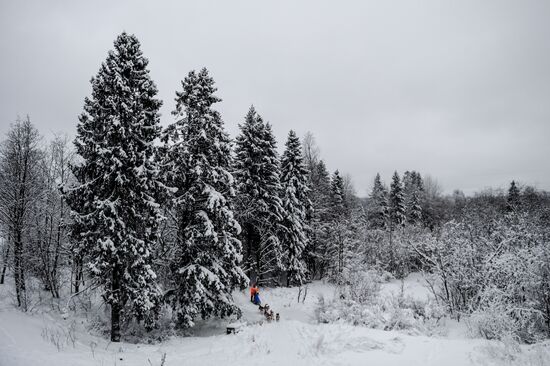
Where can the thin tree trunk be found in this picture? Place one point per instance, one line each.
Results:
(288, 274)
(19, 272)
(392, 260)
(55, 286)
(115, 305)
(18, 245)
(249, 250)
(78, 274)
(5, 266)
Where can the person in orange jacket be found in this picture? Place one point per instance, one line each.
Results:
(253, 290)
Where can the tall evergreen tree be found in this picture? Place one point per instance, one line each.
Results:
(114, 207)
(513, 197)
(321, 187)
(396, 203)
(378, 212)
(418, 182)
(295, 205)
(337, 195)
(260, 210)
(317, 247)
(197, 164)
(338, 227)
(412, 190)
(407, 182)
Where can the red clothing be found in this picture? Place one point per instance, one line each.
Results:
(253, 291)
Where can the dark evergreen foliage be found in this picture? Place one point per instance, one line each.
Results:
(114, 208)
(396, 203)
(197, 162)
(260, 211)
(378, 208)
(295, 197)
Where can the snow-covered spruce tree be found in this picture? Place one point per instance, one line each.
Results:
(338, 227)
(295, 205)
(412, 189)
(396, 203)
(260, 211)
(397, 218)
(337, 195)
(321, 185)
(513, 198)
(114, 209)
(318, 244)
(418, 182)
(197, 163)
(378, 207)
(310, 153)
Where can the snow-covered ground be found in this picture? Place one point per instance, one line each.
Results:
(43, 338)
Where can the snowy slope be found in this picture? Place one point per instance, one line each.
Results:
(26, 339)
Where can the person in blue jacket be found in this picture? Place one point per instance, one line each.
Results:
(257, 300)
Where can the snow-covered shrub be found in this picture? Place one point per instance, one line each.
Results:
(492, 323)
(414, 315)
(435, 311)
(355, 300)
(60, 337)
(496, 269)
(386, 276)
(359, 303)
(509, 352)
(351, 312)
(505, 352)
(400, 319)
(499, 317)
(100, 322)
(361, 286)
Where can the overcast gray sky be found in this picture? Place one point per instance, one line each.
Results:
(459, 90)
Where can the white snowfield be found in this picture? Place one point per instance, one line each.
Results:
(30, 339)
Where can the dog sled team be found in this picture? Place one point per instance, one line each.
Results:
(264, 309)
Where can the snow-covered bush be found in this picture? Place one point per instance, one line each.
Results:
(495, 270)
(498, 317)
(351, 312)
(359, 303)
(493, 323)
(413, 316)
(386, 276)
(361, 286)
(61, 337)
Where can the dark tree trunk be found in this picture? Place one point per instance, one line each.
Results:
(5, 266)
(115, 305)
(548, 314)
(248, 242)
(392, 260)
(19, 271)
(53, 274)
(252, 253)
(78, 274)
